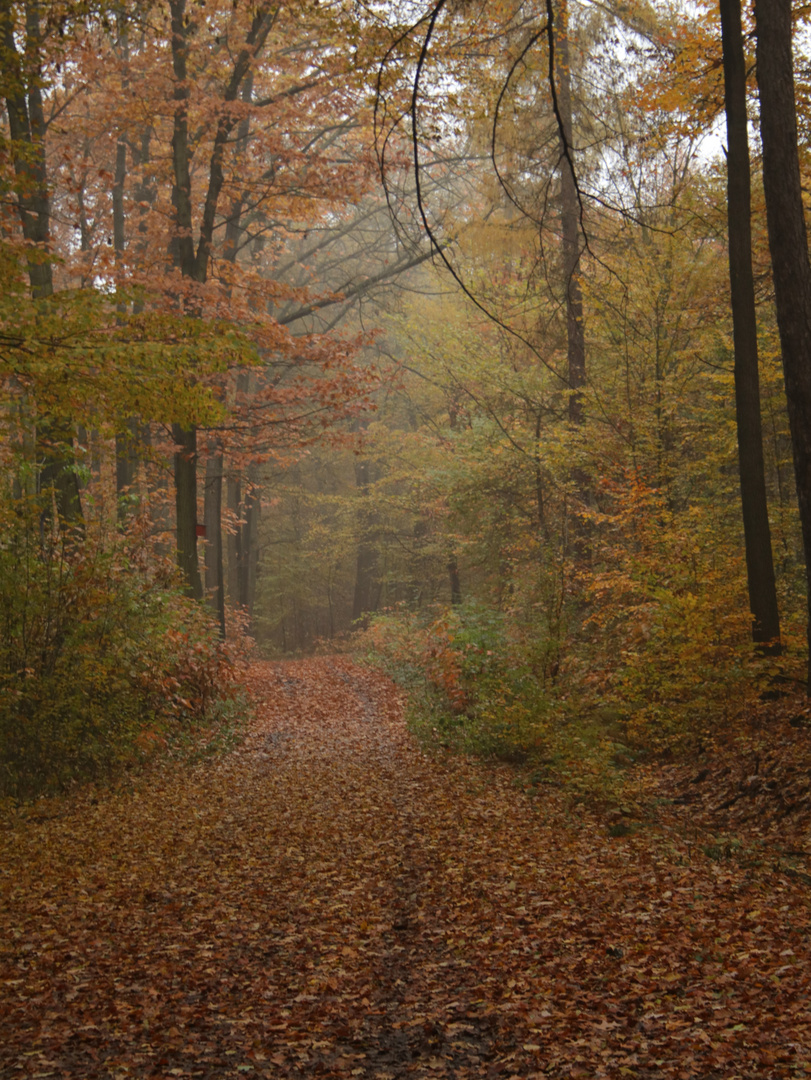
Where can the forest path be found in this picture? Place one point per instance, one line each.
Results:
(326, 901)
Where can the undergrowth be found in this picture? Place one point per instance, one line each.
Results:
(104, 663)
(479, 682)
(475, 687)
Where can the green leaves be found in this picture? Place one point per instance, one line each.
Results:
(98, 358)
(101, 658)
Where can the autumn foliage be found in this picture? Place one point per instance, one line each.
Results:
(102, 659)
(403, 331)
(329, 901)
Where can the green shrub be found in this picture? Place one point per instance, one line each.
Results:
(102, 660)
(477, 683)
(471, 683)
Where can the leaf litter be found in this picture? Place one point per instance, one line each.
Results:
(328, 901)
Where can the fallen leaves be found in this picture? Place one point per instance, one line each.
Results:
(326, 901)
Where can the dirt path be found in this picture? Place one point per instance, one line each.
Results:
(328, 902)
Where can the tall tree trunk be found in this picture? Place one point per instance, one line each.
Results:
(126, 464)
(186, 508)
(570, 228)
(571, 251)
(362, 602)
(233, 543)
(788, 242)
(57, 479)
(193, 263)
(365, 563)
(757, 535)
(126, 441)
(215, 584)
(242, 548)
(215, 464)
(181, 249)
(249, 549)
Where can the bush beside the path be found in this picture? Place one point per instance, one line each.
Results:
(103, 661)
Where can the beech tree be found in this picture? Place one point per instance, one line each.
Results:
(757, 535)
(788, 241)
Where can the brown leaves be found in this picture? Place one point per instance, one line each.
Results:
(328, 902)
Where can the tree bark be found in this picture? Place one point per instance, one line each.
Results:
(57, 479)
(365, 562)
(757, 534)
(215, 584)
(181, 249)
(788, 243)
(194, 265)
(362, 602)
(126, 441)
(215, 464)
(186, 508)
(570, 230)
(249, 550)
(126, 464)
(233, 543)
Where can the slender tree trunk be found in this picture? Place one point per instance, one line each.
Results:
(788, 242)
(365, 562)
(186, 508)
(571, 237)
(540, 504)
(757, 535)
(193, 263)
(126, 441)
(249, 550)
(233, 546)
(126, 463)
(215, 464)
(455, 580)
(181, 249)
(215, 584)
(570, 230)
(364, 581)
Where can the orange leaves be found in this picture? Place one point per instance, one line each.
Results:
(443, 666)
(328, 902)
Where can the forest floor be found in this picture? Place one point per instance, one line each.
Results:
(327, 901)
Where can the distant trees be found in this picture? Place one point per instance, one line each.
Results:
(215, 317)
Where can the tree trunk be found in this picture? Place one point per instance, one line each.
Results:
(57, 479)
(570, 230)
(126, 464)
(215, 584)
(181, 249)
(233, 544)
(455, 581)
(249, 550)
(362, 601)
(788, 243)
(194, 264)
(186, 508)
(364, 581)
(757, 535)
(215, 464)
(126, 441)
